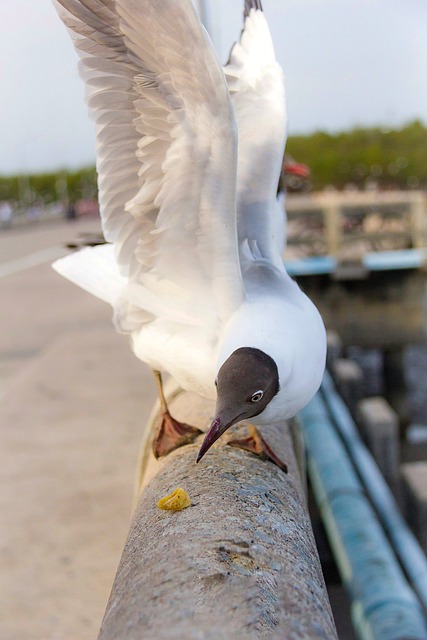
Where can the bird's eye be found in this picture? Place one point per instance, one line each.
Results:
(216, 382)
(256, 397)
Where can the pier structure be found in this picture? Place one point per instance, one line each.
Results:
(362, 258)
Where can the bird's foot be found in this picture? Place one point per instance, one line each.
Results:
(256, 444)
(172, 434)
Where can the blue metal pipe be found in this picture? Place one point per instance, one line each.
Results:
(406, 546)
(384, 607)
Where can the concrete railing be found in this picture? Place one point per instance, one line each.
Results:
(331, 220)
(241, 562)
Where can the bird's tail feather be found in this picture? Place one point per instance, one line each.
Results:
(95, 270)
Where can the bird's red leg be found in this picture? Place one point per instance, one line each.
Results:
(171, 433)
(255, 443)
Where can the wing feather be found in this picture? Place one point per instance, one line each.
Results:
(256, 85)
(166, 147)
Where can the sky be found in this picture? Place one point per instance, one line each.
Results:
(347, 63)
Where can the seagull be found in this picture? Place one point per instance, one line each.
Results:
(189, 156)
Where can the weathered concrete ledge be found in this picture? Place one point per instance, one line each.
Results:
(241, 562)
(379, 426)
(414, 477)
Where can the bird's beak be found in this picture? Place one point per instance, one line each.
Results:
(217, 428)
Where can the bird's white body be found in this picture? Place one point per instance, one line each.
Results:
(196, 269)
(193, 356)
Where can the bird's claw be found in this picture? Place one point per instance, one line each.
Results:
(172, 434)
(256, 444)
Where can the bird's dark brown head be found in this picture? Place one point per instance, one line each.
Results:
(247, 381)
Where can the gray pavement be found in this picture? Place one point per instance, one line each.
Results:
(73, 403)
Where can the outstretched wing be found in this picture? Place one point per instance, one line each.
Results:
(256, 85)
(166, 151)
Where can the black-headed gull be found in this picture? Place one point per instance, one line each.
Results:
(188, 201)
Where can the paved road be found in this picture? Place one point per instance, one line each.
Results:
(73, 403)
(38, 305)
(35, 303)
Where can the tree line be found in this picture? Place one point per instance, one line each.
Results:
(363, 157)
(45, 188)
(378, 156)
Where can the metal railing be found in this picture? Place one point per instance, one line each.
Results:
(386, 603)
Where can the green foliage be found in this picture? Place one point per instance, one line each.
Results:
(391, 158)
(50, 187)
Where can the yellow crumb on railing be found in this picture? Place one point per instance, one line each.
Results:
(176, 501)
